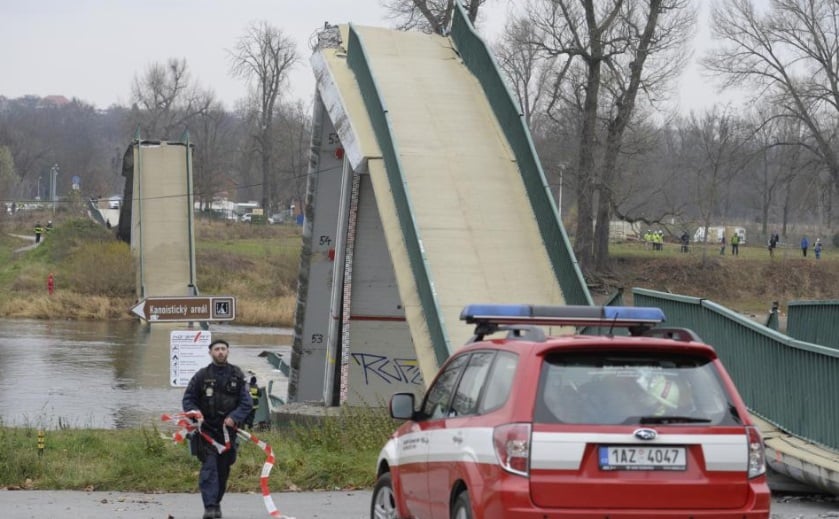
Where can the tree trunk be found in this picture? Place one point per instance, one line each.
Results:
(583, 240)
(267, 174)
(617, 127)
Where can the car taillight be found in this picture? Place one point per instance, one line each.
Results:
(512, 447)
(757, 456)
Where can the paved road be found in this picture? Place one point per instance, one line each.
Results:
(28, 504)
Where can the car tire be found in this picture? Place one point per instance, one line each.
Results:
(383, 504)
(462, 508)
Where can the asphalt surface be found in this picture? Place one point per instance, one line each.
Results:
(38, 504)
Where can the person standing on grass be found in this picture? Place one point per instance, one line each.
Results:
(805, 244)
(735, 244)
(817, 248)
(685, 239)
(773, 243)
(219, 391)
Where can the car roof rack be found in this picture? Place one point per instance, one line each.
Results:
(490, 318)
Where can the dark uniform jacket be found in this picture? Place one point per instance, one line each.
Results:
(218, 392)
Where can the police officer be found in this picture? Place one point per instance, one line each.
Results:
(219, 391)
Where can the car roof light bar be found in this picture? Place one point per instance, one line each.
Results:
(566, 315)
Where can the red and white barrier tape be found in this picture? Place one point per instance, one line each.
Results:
(191, 421)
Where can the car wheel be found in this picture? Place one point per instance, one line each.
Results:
(462, 508)
(383, 505)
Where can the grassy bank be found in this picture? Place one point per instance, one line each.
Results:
(258, 265)
(747, 283)
(95, 274)
(338, 454)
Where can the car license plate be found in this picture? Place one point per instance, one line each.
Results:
(637, 457)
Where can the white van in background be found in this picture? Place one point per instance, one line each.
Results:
(716, 232)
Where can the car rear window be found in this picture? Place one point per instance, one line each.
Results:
(612, 388)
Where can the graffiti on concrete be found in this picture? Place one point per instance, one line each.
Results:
(389, 370)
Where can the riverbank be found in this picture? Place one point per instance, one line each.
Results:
(258, 265)
(95, 276)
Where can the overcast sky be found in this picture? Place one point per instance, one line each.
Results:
(92, 49)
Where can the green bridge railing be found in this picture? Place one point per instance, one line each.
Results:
(479, 60)
(814, 321)
(790, 383)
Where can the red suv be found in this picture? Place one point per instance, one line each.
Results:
(645, 424)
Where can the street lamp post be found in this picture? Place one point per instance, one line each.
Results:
(54, 172)
(559, 190)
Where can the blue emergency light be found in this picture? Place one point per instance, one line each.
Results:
(565, 315)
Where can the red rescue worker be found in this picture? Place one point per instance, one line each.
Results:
(50, 284)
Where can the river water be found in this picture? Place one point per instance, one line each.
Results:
(108, 375)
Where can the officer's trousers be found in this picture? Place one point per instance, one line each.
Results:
(212, 480)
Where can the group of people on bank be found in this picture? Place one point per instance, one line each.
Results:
(654, 239)
(41, 230)
(817, 247)
(774, 240)
(735, 244)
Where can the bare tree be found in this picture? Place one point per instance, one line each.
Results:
(788, 56)
(213, 134)
(165, 99)
(779, 161)
(622, 48)
(648, 189)
(294, 134)
(265, 56)
(428, 15)
(8, 176)
(713, 153)
(528, 68)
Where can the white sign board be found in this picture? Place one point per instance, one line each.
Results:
(188, 352)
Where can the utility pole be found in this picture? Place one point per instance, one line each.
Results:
(559, 190)
(54, 173)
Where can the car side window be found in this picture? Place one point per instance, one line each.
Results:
(469, 388)
(438, 399)
(499, 382)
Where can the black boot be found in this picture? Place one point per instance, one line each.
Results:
(210, 513)
(218, 512)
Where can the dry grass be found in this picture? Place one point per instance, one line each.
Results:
(266, 312)
(65, 305)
